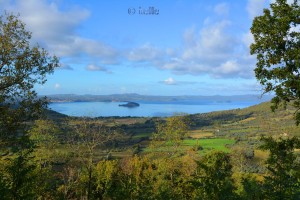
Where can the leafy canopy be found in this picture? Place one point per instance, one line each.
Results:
(277, 49)
(283, 167)
(22, 66)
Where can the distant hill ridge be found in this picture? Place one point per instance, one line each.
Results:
(153, 98)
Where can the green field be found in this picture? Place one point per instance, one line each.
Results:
(206, 145)
(210, 144)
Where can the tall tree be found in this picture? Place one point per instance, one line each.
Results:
(283, 179)
(277, 49)
(22, 66)
(170, 134)
(87, 139)
(214, 177)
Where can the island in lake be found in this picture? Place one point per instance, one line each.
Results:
(130, 105)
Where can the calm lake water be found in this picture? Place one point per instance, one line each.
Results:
(146, 109)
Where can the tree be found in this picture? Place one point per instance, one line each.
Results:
(45, 136)
(105, 172)
(86, 139)
(277, 48)
(22, 66)
(242, 158)
(214, 177)
(19, 176)
(142, 177)
(283, 179)
(170, 134)
(251, 187)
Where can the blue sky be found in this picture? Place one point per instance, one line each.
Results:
(191, 47)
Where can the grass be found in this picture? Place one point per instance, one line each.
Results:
(210, 144)
(206, 144)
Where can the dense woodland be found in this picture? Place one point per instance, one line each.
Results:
(250, 153)
(219, 155)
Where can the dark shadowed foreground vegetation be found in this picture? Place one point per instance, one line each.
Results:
(247, 153)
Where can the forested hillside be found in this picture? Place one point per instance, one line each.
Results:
(216, 155)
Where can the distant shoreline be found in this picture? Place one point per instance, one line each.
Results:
(68, 98)
(147, 109)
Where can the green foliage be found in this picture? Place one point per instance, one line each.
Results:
(252, 188)
(138, 178)
(171, 133)
(18, 177)
(214, 177)
(44, 133)
(135, 178)
(22, 66)
(105, 174)
(277, 47)
(45, 136)
(218, 144)
(284, 170)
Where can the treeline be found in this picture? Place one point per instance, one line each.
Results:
(73, 161)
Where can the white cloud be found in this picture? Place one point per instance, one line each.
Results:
(212, 51)
(228, 67)
(144, 53)
(79, 46)
(221, 9)
(92, 67)
(56, 86)
(212, 41)
(170, 81)
(55, 29)
(255, 7)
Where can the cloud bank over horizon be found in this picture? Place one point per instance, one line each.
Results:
(211, 48)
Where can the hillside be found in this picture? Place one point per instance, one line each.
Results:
(97, 150)
(243, 125)
(251, 122)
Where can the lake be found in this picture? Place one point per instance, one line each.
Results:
(146, 109)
